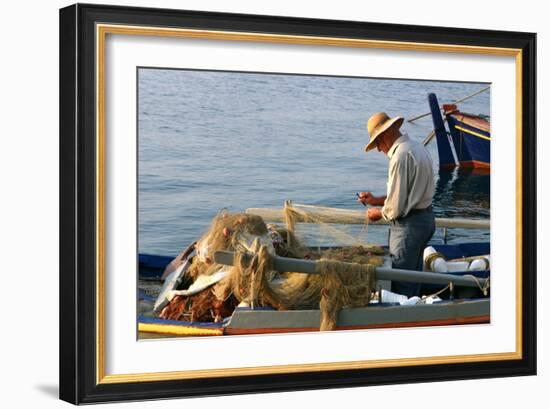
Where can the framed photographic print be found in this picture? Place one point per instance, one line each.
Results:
(258, 203)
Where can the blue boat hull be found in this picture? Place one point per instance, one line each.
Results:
(472, 145)
(470, 136)
(151, 266)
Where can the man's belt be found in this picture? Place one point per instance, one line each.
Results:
(413, 212)
(416, 211)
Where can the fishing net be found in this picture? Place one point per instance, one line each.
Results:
(344, 277)
(348, 244)
(334, 286)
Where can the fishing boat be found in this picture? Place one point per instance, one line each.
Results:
(464, 297)
(467, 306)
(151, 266)
(470, 135)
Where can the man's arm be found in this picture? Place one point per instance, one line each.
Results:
(369, 198)
(373, 213)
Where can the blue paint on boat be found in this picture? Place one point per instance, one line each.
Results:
(444, 150)
(471, 142)
(454, 251)
(151, 266)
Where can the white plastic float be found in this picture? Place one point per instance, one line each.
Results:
(434, 261)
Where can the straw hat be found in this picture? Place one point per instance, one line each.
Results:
(378, 124)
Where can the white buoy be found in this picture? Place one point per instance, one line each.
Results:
(480, 264)
(434, 261)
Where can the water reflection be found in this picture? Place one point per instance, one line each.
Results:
(464, 193)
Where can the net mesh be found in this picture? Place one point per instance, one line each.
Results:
(344, 276)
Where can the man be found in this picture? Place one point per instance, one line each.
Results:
(408, 202)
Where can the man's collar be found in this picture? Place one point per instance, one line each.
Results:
(397, 142)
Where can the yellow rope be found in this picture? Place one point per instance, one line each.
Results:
(432, 257)
(484, 288)
(438, 292)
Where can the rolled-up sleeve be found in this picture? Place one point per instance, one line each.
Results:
(396, 198)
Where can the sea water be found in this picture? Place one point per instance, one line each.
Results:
(210, 140)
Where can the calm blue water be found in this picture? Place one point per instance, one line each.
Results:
(212, 140)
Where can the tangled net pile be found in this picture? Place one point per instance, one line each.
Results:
(253, 281)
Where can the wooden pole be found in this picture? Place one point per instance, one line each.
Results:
(429, 137)
(458, 101)
(316, 214)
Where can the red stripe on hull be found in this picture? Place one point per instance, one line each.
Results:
(476, 164)
(484, 319)
(473, 121)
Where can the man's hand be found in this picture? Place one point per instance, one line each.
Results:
(366, 198)
(374, 214)
(369, 198)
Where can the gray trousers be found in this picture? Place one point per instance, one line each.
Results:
(408, 238)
